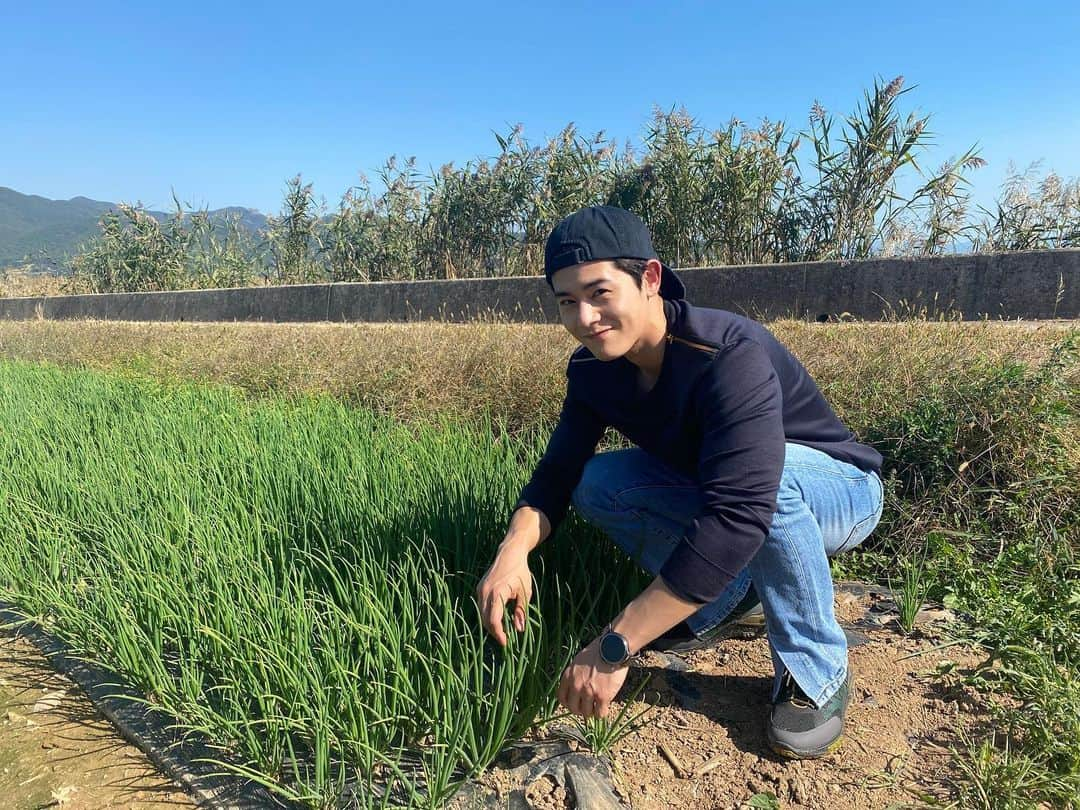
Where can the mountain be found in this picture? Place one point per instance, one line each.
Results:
(30, 224)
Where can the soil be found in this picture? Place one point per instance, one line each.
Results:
(56, 750)
(899, 726)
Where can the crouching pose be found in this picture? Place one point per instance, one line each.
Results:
(742, 483)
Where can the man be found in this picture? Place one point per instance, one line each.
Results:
(742, 484)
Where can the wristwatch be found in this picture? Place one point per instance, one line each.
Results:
(614, 648)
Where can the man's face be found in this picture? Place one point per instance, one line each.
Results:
(601, 306)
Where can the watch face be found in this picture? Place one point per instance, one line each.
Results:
(613, 648)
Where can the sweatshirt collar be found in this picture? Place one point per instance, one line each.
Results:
(673, 310)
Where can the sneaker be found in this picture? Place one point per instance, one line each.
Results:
(746, 620)
(800, 730)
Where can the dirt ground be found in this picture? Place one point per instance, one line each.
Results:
(56, 750)
(899, 726)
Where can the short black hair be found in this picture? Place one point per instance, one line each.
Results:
(634, 267)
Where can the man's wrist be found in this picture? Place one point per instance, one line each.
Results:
(614, 648)
(517, 544)
(653, 611)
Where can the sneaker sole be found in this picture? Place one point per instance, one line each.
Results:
(790, 753)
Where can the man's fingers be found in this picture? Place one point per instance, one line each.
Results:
(575, 702)
(493, 601)
(577, 698)
(600, 708)
(587, 704)
(494, 615)
(522, 597)
(564, 689)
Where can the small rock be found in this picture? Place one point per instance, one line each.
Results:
(884, 606)
(49, 701)
(854, 637)
(931, 615)
(846, 599)
(674, 663)
(800, 791)
(62, 795)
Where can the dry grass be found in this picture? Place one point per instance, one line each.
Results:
(17, 282)
(408, 370)
(513, 371)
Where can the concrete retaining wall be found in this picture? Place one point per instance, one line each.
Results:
(1030, 285)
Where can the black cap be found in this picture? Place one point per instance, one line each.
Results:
(604, 232)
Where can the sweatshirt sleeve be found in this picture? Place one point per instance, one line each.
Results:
(572, 443)
(739, 403)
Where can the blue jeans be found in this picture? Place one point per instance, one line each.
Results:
(824, 506)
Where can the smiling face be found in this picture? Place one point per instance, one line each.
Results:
(603, 307)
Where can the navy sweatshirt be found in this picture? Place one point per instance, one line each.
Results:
(729, 395)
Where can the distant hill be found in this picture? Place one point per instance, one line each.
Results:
(30, 224)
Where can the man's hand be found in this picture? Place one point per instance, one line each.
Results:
(589, 684)
(508, 579)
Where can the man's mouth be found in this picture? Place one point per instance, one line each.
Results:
(601, 333)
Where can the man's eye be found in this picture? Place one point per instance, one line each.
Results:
(600, 292)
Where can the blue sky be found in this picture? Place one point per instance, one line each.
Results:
(120, 101)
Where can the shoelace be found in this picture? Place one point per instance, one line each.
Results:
(791, 690)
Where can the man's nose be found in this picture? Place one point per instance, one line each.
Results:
(586, 315)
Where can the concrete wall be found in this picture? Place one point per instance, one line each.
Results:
(1030, 285)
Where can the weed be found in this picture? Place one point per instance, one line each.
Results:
(913, 589)
(601, 734)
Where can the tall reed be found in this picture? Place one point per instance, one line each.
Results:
(739, 194)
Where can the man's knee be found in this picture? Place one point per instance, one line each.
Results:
(592, 497)
(788, 522)
(789, 494)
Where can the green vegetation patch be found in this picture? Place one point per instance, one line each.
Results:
(294, 575)
(294, 578)
(983, 515)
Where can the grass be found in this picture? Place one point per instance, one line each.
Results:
(912, 590)
(293, 578)
(20, 282)
(977, 422)
(602, 734)
(514, 372)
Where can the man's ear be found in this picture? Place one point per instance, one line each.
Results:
(651, 276)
